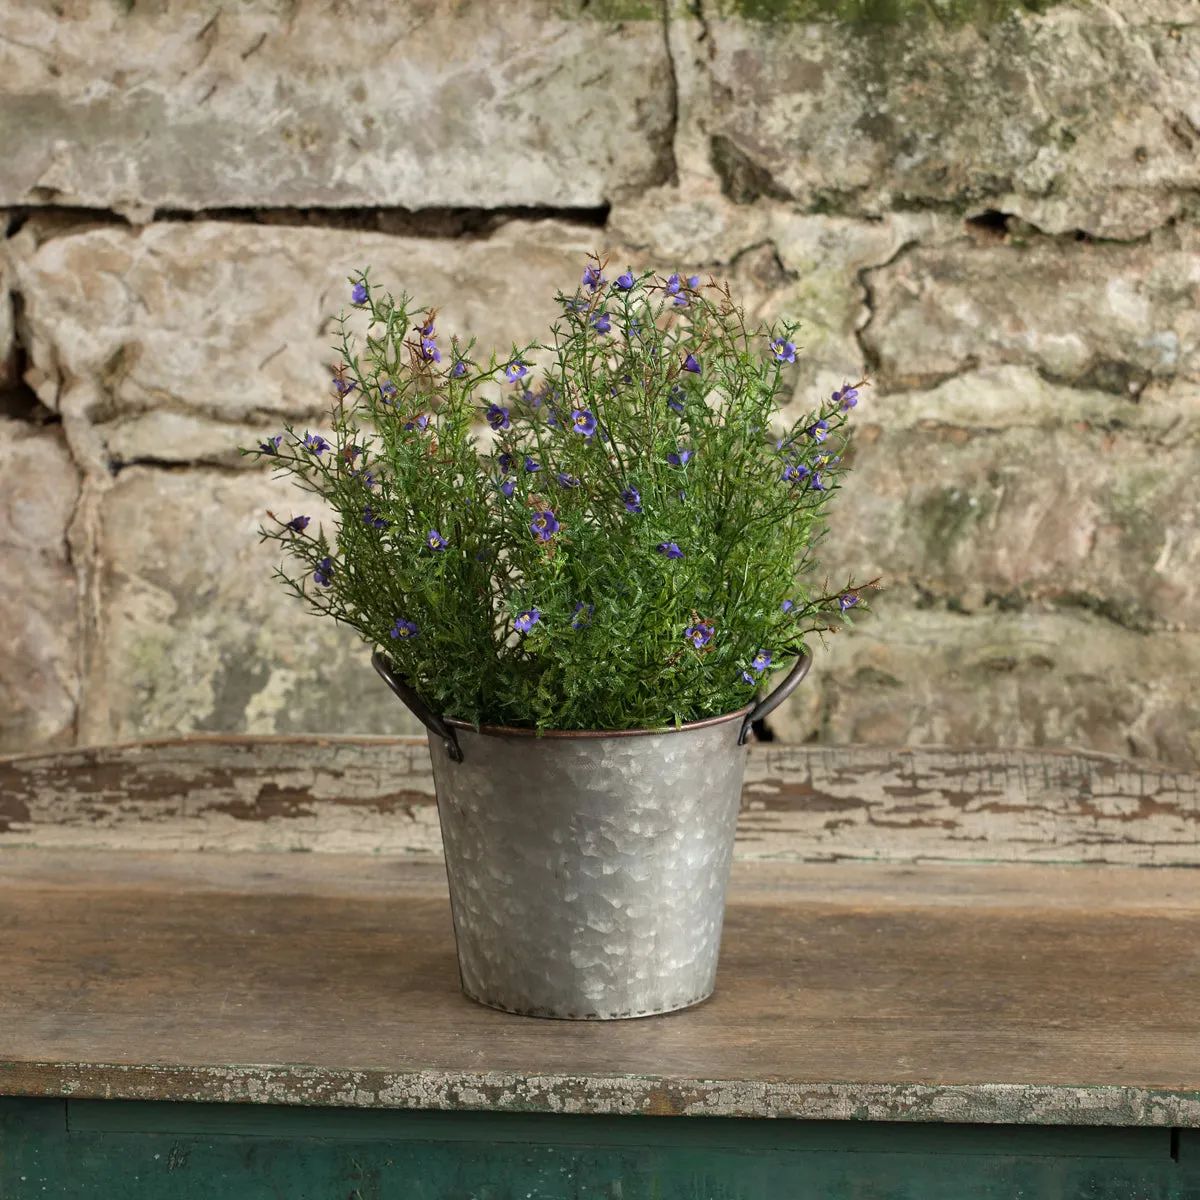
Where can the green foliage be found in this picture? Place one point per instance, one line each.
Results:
(618, 555)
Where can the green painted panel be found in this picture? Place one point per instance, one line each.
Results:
(252, 1120)
(132, 1151)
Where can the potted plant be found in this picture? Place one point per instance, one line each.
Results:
(577, 562)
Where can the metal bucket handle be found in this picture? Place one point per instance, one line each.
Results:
(418, 707)
(778, 696)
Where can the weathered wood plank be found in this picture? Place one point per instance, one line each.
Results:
(848, 991)
(801, 803)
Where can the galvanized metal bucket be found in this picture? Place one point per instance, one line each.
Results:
(588, 869)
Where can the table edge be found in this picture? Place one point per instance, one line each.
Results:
(594, 1094)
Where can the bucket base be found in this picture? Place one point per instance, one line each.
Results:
(547, 1015)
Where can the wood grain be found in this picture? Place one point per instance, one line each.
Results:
(800, 803)
(1011, 994)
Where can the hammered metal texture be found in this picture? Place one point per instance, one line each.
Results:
(588, 875)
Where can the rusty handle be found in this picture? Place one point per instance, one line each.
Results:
(418, 707)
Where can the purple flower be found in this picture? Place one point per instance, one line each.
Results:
(675, 398)
(427, 328)
(784, 351)
(505, 463)
(544, 525)
(592, 278)
(323, 572)
(818, 432)
(846, 396)
(699, 634)
(816, 484)
(508, 486)
(417, 423)
(625, 282)
(747, 677)
(271, 445)
(372, 519)
(669, 549)
(459, 369)
(673, 285)
(497, 417)
(602, 322)
(435, 541)
(585, 421)
(633, 500)
(693, 281)
(387, 390)
(358, 294)
(582, 617)
(343, 386)
(316, 443)
(403, 629)
(298, 524)
(527, 620)
(690, 364)
(849, 600)
(429, 350)
(762, 660)
(679, 458)
(515, 370)
(531, 466)
(788, 606)
(567, 480)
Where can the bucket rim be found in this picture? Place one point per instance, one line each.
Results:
(515, 732)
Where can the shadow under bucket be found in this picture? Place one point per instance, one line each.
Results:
(588, 870)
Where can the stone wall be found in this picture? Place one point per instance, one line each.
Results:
(988, 207)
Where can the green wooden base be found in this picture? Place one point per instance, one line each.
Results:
(128, 1150)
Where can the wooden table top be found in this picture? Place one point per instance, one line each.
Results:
(997, 993)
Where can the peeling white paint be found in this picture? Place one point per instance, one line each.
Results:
(376, 796)
(501, 1091)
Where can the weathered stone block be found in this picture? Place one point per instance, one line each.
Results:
(912, 677)
(1076, 508)
(1081, 117)
(781, 264)
(415, 104)
(39, 618)
(179, 341)
(1092, 314)
(193, 634)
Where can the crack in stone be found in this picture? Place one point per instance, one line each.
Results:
(79, 566)
(672, 132)
(116, 466)
(871, 360)
(1002, 224)
(945, 596)
(18, 401)
(53, 220)
(445, 222)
